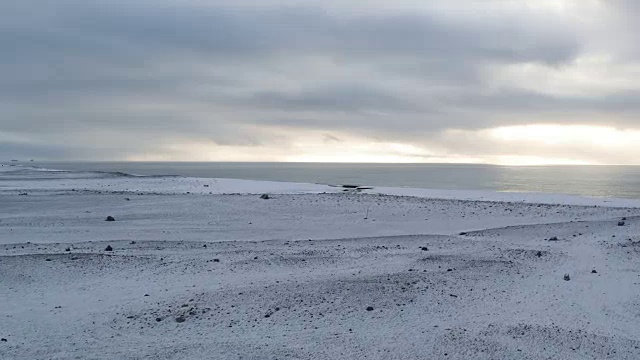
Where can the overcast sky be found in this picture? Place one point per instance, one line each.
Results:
(490, 81)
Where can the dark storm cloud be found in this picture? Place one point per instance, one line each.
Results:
(146, 31)
(207, 71)
(517, 100)
(339, 99)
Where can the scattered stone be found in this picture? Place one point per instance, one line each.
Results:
(594, 271)
(216, 260)
(620, 223)
(555, 238)
(132, 242)
(146, 294)
(424, 248)
(539, 254)
(369, 308)
(463, 233)
(264, 196)
(452, 295)
(3, 340)
(158, 319)
(180, 319)
(567, 277)
(47, 259)
(67, 249)
(449, 269)
(108, 248)
(204, 246)
(624, 219)
(110, 218)
(127, 199)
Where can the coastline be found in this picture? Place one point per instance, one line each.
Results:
(101, 182)
(216, 272)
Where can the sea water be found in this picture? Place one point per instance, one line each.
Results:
(600, 181)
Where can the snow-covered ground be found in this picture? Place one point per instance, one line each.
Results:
(206, 269)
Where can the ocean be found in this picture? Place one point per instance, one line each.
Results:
(597, 181)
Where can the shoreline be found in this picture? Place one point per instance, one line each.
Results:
(174, 185)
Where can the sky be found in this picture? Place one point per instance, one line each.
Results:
(511, 82)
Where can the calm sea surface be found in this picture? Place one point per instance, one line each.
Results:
(602, 181)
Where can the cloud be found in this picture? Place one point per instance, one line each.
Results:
(137, 77)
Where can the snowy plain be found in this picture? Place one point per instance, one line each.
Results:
(206, 269)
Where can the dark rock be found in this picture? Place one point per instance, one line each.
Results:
(132, 242)
(158, 319)
(146, 294)
(180, 319)
(47, 259)
(127, 199)
(204, 246)
(216, 260)
(108, 248)
(3, 340)
(424, 248)
(369, 308)
(110, 218)
(594, 271)
(67, 249)
(539, 254)
(264, 196)
(567, 277)
(555, 238)
(620, 223)
(624, 219)
(463, 233)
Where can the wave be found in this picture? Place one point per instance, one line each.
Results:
(31, 171)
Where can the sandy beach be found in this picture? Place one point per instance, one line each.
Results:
(207, 269)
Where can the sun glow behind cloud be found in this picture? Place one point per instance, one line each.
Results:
(523, 145)
(599, 136)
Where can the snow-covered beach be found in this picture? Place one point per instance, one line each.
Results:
(205, 269)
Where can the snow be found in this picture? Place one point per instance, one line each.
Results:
(291, 277)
